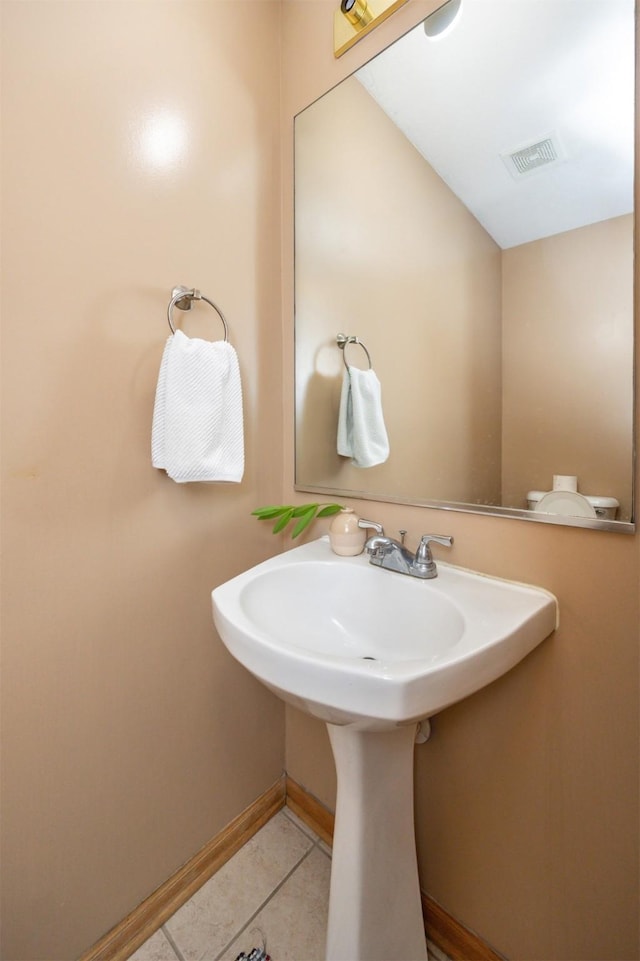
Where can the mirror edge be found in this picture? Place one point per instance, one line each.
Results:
(561, 520)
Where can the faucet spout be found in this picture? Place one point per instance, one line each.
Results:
(378, 542)
(389, 553)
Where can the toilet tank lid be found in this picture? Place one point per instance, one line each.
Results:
(594, 499)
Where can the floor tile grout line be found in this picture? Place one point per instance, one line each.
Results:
(266, 901)
(304, 829)
(327, 854)
(173, 944)
(308, 832)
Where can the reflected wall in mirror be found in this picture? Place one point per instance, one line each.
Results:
(464, 206)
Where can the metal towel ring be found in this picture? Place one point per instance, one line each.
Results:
(182, 298)
(342, 340)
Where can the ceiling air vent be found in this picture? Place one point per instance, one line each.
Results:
(533, 157)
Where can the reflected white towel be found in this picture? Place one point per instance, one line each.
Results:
(362, 435)
(197, 432)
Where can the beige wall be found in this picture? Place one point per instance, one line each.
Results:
(527, 794)
(384, 246)
(566, 304)
(129, 735)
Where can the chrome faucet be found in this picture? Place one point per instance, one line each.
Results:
(390, 554)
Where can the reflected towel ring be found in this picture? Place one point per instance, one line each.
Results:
(182, 298)
(342, 340)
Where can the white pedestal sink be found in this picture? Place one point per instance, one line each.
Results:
(372, 653)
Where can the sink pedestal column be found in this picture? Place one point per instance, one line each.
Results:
(375, 909)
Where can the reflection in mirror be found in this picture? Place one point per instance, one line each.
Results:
(464, 206)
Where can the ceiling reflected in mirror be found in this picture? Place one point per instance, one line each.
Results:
(542, 90)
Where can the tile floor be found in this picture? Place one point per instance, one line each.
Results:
(274, 891)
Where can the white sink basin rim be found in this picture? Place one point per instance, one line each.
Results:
(353, 644)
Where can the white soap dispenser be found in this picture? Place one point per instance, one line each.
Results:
(345, 537)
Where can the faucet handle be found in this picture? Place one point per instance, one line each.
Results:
(371, 525)
(424, 558)
(443, 539)
(426, 539)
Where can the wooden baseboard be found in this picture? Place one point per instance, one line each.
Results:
(448, 934)
(127, 936)
(453, 938)
(445, 931)
(313, 812)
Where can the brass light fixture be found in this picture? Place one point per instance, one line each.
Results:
(357, 12)
(355, 18)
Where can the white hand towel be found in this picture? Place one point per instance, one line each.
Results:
(197, 432)
(362, 435)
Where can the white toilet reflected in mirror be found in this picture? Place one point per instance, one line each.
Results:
(572, 503)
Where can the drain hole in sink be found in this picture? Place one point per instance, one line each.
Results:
(368, 658)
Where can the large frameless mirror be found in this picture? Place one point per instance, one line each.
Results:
(464, 207)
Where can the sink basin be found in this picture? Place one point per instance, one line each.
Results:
(353, 644)
(371, 652)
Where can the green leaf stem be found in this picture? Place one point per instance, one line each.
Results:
(267, 513)
(304, 521)
(282, 522)
(330, 509)
(304, 514)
